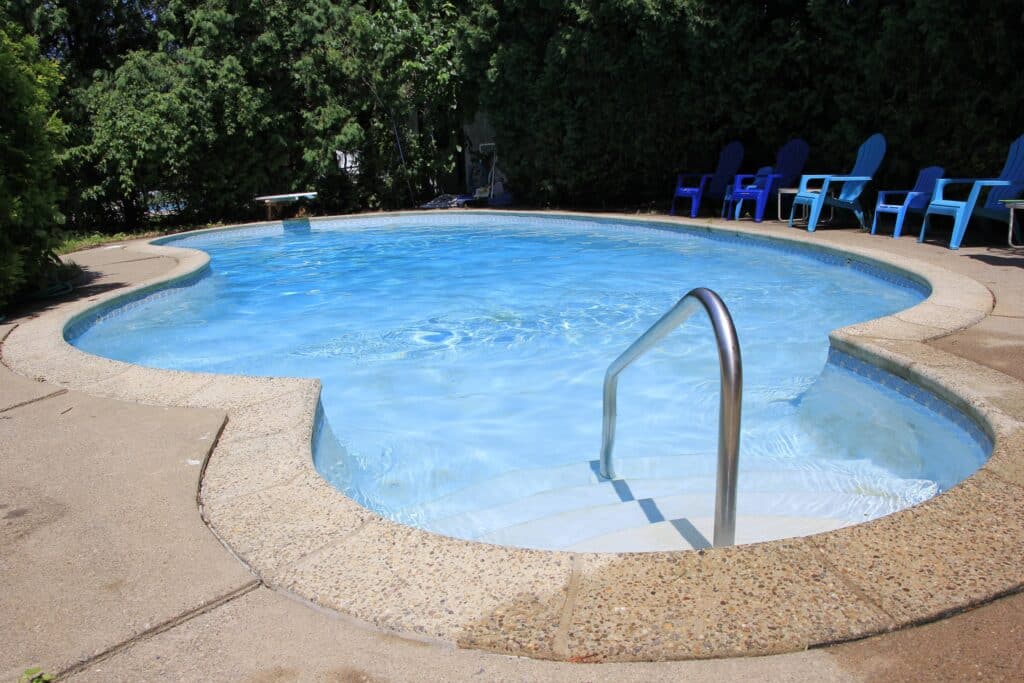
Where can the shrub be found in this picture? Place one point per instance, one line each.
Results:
(28, 193)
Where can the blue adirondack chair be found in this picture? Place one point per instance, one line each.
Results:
(757, 187)
(789, 163)
(869, 158)
(913, 200)
(1008, 185)
(711, 185)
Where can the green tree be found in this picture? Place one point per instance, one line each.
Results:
(28, 193)
(88, 39)
(246, 98)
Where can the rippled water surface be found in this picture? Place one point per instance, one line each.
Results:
(451, 354)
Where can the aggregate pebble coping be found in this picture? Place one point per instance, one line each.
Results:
(262, 497)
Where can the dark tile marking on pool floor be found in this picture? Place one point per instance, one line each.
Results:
(683, 526)
(691, 534)
(622, 489)
(650, 509)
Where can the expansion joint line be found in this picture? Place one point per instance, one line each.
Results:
(59, 392)
(163, 627)
(560, 642)
(853, 586)
(206, 462)
(345, 537)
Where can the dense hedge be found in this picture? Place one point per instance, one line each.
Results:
(28, 192)
(203, 104)
(600, 101)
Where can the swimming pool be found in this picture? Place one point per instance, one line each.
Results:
(462, 358)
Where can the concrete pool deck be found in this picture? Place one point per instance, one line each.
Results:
(301, 537)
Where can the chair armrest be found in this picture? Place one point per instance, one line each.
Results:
(886, 193)
(850, 178)
(805, 179)
(687, 176)
(742, 180)
(978, 183)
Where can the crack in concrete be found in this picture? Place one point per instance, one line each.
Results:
(162, 627)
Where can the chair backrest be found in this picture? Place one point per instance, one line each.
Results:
(763, 177)
(925, 184)
(869, 158)
(789, 162)
(1012, 171)
(728, 166)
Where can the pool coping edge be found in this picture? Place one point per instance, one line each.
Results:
(554, 605)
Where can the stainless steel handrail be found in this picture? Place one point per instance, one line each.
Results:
(731, 391)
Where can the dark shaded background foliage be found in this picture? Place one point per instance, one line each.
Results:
(598, 102)
(28, 133)
(200, 105)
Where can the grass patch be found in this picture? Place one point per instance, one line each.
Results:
(78, 242)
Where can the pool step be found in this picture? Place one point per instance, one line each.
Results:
(517, 484)
(698, 468)
(678, 534)
(671, 522)
(486, 507)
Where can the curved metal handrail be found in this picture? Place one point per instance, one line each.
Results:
(731, 367)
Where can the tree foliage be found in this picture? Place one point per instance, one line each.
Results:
(203, 104)
(207, 103)
(603, 101)
(28, 193)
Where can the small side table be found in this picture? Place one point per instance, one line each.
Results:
(1012, 205)
(803, 214)
(788, 191)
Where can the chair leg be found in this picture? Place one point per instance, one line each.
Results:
(859, 213)
(792, 212)
(874, 222)
(924, 226)
(812, 220)
(898, 228)
(672, 209)
(762, 201)
(694, 206)
(959, 228)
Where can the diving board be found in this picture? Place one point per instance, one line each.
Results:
(272, 200)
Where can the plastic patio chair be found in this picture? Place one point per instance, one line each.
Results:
(757, 187)
(711, 184)
(869, 158)
(789, 163)
(914, 200)
(1008, 185)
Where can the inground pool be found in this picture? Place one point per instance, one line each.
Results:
(462, 357)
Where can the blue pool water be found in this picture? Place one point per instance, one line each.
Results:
(462, 359)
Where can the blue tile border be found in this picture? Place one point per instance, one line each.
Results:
(123, 304)
(825, 255)
(920, 395)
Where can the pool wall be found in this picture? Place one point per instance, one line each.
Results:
(262, 497)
